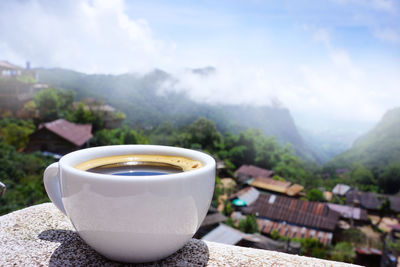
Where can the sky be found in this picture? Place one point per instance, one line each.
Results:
(332, 62)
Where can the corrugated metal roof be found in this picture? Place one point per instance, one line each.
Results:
(294, 190)
(341, 189)
(289, 230)
(371, 201)
(77, 134)
(224, 234)
(311, 214)
(249, 196)
(349, 212)
(270, 184)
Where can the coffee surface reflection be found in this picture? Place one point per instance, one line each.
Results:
(139, 165)
(136, 169)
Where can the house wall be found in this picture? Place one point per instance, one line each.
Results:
(44, 140)
(14, 94)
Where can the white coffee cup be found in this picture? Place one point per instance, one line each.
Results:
(132, 218)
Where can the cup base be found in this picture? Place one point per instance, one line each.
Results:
(148, 248)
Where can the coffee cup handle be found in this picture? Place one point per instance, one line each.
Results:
(51, 179)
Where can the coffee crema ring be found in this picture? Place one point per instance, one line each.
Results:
(176, 162)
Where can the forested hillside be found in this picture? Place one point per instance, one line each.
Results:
(140, 98)
(378, 148)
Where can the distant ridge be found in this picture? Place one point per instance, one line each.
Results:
(377, 148)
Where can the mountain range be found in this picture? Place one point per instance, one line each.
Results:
(147, 106)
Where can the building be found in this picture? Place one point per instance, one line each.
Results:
(340, 189)
(9, 70)
(211, 221)
(17, 87)
(227, 235)
(349, 212)
(371, 201)
(60, 137)
(293, 217)
(262, 179)
(270, 184)
(275, 186)
(294, 231)
(247, 172)
(328, 195)
(224, 234)
(245, 197)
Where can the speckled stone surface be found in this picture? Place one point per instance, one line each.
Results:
(42, 236)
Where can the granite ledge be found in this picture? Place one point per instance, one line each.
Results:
(42, 236)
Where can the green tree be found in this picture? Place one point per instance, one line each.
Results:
(227, 208)
(389, 180)
(230, 222)
(53, 103)
(308, 244)
(343, 251)
(81, 114)
(201, 134)
(384, 210)
(275, 234)
(23, 176)
(315, 195)
(16, 132)
(248, 225)
(120, 136)
(363, 178)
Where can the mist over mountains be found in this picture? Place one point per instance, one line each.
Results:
(378, 147)
(148, 103)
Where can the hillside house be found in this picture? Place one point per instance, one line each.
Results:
(17, 87)
(245, 197)
(371, 201)
(349, 212)
(247, 172)
(228, 235)
(108, 114)
(60, 137)
(341, 189)
(211, 221)
(9, 70)
(275, 186)
(293, 217)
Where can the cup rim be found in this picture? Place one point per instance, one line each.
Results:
(67, 163)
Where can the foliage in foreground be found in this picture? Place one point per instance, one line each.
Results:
(23, 176)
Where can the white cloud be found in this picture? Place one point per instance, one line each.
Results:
(99, 36)
(388, 34)
(380, 5)
(89, 36)
(336, 87)
(386, 5)
(322, 35)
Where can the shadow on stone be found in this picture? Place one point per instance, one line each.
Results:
(73, 251)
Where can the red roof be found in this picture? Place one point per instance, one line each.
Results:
(305, 213)
(253, 171)
(7, 65)
(369, 251)
(77, 134)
